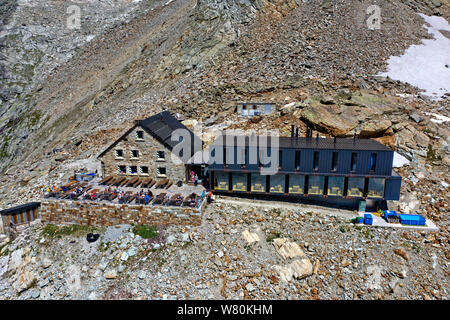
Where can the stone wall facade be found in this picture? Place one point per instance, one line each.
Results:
(148, 148)
(109, 214)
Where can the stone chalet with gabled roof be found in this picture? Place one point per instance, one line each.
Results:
(145, 150)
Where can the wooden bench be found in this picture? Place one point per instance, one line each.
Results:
(132, 181)
(160, 198)
(106, 180)
(175, 200)
(161, 184)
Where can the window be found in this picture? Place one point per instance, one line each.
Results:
(315, 185)
(225, 156)
(220, 181)
(239, 181)
(260, 158)
(277, 183)
(122, 169)
(133, 169)
(161, 171)
(160, 155)
(258, 183)
(140, 135)
(355, 187)
(297, 159)
(244, 110)
(335, 186)
(119, 153)
(296, 184)
(316, 161)
(376, 187)
(334, 161)
(134, 153)
(243, 157)
(144, 170)
(373, 161)
(280, 158)
(354, 159)
(256, 111)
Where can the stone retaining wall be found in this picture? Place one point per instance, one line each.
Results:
(109, 214)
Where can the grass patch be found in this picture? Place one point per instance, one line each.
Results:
(146, 231)
(367, 234)
(273, 235)
(54, 231)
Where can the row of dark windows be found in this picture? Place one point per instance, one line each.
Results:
(334, 160)
(300, 184)
(122, 169)
(135, 154)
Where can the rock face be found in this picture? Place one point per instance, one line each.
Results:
(298, 268)
(219, 262)
(287, 249)
(161, 45)
(324, 118)
(375, 129)
(38, 38)
(25, 280)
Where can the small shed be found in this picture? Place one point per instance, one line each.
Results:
(19, 215)
(250, 109)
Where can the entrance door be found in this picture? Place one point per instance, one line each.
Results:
(15, 220)
(196, 170)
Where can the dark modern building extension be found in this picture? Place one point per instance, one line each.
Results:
(334, 170)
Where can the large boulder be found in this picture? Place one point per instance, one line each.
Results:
(326, 119)
(298, 269)
(374, 129)
(24, 281)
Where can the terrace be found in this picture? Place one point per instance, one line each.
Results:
(131, 190)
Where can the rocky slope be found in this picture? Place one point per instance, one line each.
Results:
(338, 260)
(193, 56)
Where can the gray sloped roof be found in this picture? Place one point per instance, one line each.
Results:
(162, 125)
(310, 143)
(21, 208)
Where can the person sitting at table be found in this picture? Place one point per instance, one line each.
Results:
(150, 193)
(146, 199)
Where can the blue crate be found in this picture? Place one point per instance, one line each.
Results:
(412, 219)
(368, 219)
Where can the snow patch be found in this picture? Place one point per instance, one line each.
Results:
(399, 160)
(426, 66)
(437, 118)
